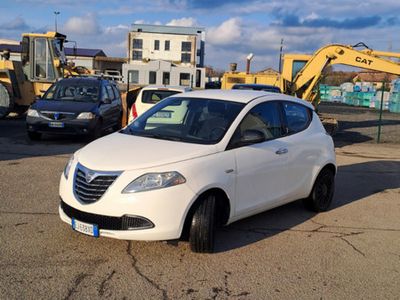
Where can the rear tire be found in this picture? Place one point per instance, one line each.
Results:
(6, 102)
(322, 193)
(202, 229)
(34, 136)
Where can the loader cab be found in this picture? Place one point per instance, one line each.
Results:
(43, 57)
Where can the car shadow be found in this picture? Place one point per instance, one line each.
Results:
(353, 183)
(15, 144)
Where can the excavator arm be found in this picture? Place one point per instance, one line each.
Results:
(306, 79)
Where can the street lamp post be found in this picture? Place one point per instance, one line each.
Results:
(56, 13)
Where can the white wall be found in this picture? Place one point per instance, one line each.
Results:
(160, 67)
(173, 55)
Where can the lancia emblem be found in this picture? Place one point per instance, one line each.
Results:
(90, 175)
(56, 116)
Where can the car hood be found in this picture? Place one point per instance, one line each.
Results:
(121, 152)
(64, 106)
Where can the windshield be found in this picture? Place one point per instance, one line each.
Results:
(73, 92)
(154, 96)
(200, 121)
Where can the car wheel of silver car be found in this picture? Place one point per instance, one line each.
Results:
(202, 229)
(322, 193)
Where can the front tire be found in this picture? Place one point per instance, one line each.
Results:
(202, 229)
(322, 193)
(97, 131)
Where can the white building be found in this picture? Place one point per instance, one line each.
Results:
(165, 55)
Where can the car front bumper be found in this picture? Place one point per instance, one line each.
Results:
(165, 208)
(67, 127)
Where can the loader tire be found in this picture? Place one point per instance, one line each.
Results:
(6, 102)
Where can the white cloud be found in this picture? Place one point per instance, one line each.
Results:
(116, 29)
(229, 32)
(85, 25)
(190, 22)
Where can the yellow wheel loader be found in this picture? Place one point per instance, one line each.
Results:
(42, 62)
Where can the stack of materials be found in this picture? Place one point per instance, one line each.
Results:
(394, 100)
(330, 93)
(376, 101)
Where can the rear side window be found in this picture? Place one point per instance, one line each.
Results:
(116, 92)
(298, 117)
(154, 96)
(110, 92)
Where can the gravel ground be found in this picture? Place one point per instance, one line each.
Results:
(360, 124)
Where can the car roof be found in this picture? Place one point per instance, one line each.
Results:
(80, 80)
(242, 96)
(167, 87)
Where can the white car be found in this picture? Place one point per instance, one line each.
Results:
(196, 161)
(152, 94)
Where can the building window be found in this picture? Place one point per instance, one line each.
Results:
(165, 78)
(137, 44)
(133, 76)
(186, 46)
(166, 45)
(185, 57)
(184, 79)
(156, 45)
(152, 77)
(137, 55)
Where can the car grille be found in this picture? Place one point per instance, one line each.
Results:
(107, 222)
(58, 116)
(89, 186)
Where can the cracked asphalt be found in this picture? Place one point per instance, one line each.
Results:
(349, 252)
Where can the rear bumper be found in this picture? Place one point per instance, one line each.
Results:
(69, 127)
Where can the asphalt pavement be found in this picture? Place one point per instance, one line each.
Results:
(349, 252)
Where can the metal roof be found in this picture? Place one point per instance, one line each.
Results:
(68, 51)
(12, 48)
(84, 52)
(167, 29)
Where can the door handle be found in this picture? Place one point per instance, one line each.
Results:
(282, 151)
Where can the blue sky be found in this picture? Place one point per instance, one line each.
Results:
(234, 28)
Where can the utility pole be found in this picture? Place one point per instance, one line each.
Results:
(56, 13)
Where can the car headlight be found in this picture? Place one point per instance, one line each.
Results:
(33, 113)
(68, 166)
(86, 116)
(153, 181)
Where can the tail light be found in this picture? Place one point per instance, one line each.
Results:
(133, 111)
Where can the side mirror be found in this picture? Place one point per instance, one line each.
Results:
(106, 101)
(252, 136)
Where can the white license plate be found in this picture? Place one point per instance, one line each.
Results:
(56, 124)
(85, 228)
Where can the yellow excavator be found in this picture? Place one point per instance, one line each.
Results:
(301, 73)
(42, 62)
